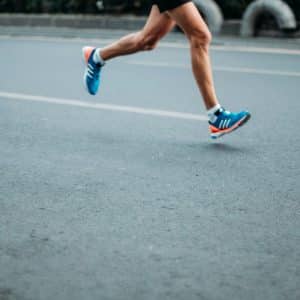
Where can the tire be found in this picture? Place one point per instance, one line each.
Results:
(282, 13)
(212, 14)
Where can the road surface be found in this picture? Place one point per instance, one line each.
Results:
(124, 196)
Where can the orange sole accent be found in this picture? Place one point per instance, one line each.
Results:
(216, 133)
(87, 52)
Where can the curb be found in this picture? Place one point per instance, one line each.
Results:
(126, 22)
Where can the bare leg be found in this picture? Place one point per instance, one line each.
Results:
(191, 22)
(157, 26)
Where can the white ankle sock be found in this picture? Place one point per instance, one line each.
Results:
(211, 112)
(97, 57)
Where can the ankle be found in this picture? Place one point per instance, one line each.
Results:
(211, 113)
(98, 58)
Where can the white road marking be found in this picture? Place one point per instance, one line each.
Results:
(251, 49)
(257, 71)
(102, 106)
(219, 68)
(176, 45)
(236, 48)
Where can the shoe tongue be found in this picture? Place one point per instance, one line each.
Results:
(219, 111)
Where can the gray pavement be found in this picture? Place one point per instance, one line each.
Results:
(103, 204)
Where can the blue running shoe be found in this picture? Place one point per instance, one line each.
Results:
(92, 72)
(225, 122)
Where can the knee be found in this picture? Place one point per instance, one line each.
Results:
(200, 39)
(146, 42)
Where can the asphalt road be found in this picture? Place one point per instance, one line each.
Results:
(124, 196)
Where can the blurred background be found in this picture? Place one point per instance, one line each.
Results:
(261, 15)
(232, 9)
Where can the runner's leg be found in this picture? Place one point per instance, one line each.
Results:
(221, 121)
(157, 26)
(188, 18)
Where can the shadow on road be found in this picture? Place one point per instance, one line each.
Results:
(221, 147)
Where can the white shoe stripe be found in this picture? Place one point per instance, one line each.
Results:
(90, 66)
(227, 123)
(221, 123)
(224, 124)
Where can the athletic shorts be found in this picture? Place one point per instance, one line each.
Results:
(165, 5)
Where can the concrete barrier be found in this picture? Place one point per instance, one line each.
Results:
(212, 14)
(280, 10)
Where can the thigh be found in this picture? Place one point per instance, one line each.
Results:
(188, 18)
(158, 24)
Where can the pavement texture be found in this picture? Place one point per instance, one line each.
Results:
(104, 204)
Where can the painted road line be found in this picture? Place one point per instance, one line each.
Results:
(176, 45)
(236, 48)
(218, 69)
(102, 106)
(251, 49)
(257, 71)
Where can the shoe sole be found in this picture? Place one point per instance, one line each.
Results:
(242, 122)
